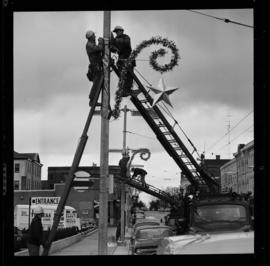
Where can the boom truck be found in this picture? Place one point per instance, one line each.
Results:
(203, 207)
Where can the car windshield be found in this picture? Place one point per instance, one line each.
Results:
(220, 213)
(149, 233)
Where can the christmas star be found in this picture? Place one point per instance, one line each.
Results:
(162, 92)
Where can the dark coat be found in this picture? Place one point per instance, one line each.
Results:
(123, 166)
(94, 52)
(35, 233)
(123, 45)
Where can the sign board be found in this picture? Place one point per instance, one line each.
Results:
(82, 181)
(45, 200)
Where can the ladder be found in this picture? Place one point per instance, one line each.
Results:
(156, 192)
(168, 138)
(96, 87)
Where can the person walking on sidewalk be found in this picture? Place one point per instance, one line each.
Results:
(35, 233)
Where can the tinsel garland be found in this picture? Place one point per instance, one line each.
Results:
(152, 61)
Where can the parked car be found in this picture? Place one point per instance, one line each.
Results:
(143, 222)
(147, 238)
(226, 243)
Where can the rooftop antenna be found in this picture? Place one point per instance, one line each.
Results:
(228, 133)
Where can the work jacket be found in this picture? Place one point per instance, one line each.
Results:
(94, 52)
(122, 43)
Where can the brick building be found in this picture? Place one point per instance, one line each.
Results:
(82, 201)
(211, 166)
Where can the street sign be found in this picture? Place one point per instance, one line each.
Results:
(82, 181)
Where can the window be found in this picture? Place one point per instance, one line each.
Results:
(16, 185)
(17, 167)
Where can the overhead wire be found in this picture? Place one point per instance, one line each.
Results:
(237, 136)
(130, 132)
(223, 19)
(215, 143)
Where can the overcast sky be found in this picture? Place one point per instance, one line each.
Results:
(214, 77)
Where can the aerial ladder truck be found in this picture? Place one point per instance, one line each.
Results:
(203, 190)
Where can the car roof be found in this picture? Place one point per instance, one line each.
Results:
(154, 227)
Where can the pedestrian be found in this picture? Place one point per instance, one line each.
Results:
(121, 45)
(95, 54)
(118, 230)
(35, 236)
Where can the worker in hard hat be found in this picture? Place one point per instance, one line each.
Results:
(95, 53)
(121, 45)
(35, 233)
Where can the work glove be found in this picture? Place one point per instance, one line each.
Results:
(100, 40)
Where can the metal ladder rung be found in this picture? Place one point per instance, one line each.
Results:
(167, 133)
(144, 101)
(172, 141)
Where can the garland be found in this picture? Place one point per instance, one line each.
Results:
(152, 61)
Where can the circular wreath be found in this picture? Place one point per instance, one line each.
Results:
(152, 61)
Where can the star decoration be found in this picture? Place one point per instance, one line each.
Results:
(162, 92)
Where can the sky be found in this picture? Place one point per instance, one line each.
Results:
(213, 105)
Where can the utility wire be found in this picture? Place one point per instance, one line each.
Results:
(223, 19)
(236, 137)
(130, 132)
(230, 130)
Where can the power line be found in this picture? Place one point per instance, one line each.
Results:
(237, 136)
(130, 132)
(223, 19)
(230, 130)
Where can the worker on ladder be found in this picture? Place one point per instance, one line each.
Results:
(95, 54)
(140, 174)
(121, 45)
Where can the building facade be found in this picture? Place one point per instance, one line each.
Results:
(238, 174)
(211, 166)
(27, 171)
(83, 200)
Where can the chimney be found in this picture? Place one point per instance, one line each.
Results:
(217, 157)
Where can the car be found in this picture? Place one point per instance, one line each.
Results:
(143, 222)
(216, 243)
(147, 238)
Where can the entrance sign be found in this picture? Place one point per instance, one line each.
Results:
(45, 200)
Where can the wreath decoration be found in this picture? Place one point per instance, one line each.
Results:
(152, 61)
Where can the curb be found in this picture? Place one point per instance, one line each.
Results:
(59, 244)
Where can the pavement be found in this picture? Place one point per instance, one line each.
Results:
(89, 245)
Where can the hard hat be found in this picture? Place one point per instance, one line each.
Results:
(118, 28)
(89, 34)
(38, 210)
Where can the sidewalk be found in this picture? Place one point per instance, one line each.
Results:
(123, 249)
(89, 245)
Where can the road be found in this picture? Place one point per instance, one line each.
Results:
(89, 244)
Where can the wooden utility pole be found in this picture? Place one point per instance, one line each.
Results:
(104, 148)
(123, 187)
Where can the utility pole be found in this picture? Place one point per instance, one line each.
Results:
(104, 149)
(123, 187)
